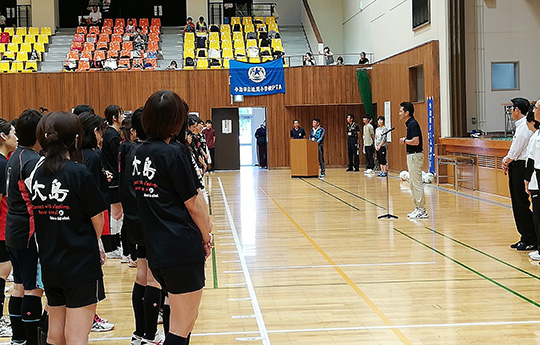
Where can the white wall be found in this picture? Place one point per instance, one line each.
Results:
(289, 11)
(328, 16)
(197, 8)
(44, 13)
(500, 31)
(384, 27)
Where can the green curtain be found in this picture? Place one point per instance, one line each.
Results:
(365, 91)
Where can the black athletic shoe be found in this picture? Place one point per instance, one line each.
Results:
(349, 169)
(515, 245)
(525, 247)
(356, 170)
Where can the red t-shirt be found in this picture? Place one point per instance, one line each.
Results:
(210, 135)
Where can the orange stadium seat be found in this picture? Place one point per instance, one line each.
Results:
(125, 53)
(94, 30)
(116, 38)
(99, 55)
(127, 45)
(106, 30)
(119, 30)
(108, 22)
(153, 46)
(104, 38)
(83, 66)
(156, 22)
(82, 30)
(120, 22)
(86, 55)
(73, 54)
(112, 54)
(77, 46)
(114, 46)
(153, 62)
(102, 46)
(143, 22)
(88, 46)
(124, 63)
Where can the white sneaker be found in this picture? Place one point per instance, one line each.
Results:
(136, 340)
(5, 331)
(412, 214)
(124, 259)
(533, 253)
(159, 339)
(101, 325)
(113, 255)
(368, 171)
(420, 214)
(10, 277)
(4, 320)
(535, 257)
(132, 263)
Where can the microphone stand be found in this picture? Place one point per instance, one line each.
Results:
(387, 215)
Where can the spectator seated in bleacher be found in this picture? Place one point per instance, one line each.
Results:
(340, 61)
(130, 28)
(363, 59)
(140, 40)
(308, 59)
(201, 26)
(190, 26)
(95, 17)
(172, 66)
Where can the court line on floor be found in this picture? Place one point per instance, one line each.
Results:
(249, 283)
(330, 194)
(351, 193)
(270, 268)
(517, 294)
(483, 253)
(352, 284)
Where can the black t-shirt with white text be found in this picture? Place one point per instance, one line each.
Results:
(125, 180)
(64, 204)
(164, 179)
(19, 224)
(109, 154)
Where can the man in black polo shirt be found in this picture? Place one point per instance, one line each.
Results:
(297, 132)
(352, 143)
(415, 158)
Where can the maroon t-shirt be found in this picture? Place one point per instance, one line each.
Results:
(209, 134)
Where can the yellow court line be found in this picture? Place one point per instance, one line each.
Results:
(369, 302)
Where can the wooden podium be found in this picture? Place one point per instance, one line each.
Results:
(304, 158)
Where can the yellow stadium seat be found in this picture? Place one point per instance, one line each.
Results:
(240, 51)
(13, 47)
(189, 53)
(29, 39)
(227, 53)
(10, 55)
(235, 20)
(249, 28)
(214, 45)
(266, 58)
(226, 63)
(225, 28)
(214, 36)
(255, 59)
(226, 44)
(46, 30)
(266, 49)
(241, 58)
(43, 38)
(270, 20)
(276, 43)
(10, 30)
(261, 19)
(22, 56)
(239, 44)
(40, 47)
(237, 36)
(21, 31)
(16, 39)
(31, 65)
(247, 21)
(189, 37)
(2, 47)
(273, 27)
(4, 66)
(202, 63)
(251, 43)
(25, 47)
(16, 67)
(33, 31)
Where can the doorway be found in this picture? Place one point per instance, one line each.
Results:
(250, 120)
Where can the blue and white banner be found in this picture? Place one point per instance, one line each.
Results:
(257, 79)
(431, 135)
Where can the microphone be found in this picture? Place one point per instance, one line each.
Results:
(388, 131)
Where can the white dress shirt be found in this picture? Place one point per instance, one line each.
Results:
(518, 149)
(532, 150)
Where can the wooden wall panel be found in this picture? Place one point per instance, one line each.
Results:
(327, 92)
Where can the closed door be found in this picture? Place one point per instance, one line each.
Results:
(226, 124)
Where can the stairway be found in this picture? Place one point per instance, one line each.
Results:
(294, 42)
(58, 49)
(172, 43)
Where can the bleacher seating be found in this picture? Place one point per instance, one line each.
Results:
(95, 48)
(246, 39)
(22, 48)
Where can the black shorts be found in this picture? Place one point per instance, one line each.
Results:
(4, 255)
(182, 278)
(25, 267)
(76, 296)
(141, 252)
(381, 155)
(134, 230)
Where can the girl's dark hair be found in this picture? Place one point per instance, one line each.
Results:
(91, 122)
(164, 115)
(83, 108)
(125, 130)
(380, 118)
(136, 123)
(530, 118)
(26, 127)
(111, 112)
(59, 134)
(5, 126)
(193, 120)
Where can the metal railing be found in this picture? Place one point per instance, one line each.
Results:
(217, 11)
(348, 59)
(24, 15)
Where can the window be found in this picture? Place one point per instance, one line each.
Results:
(420, 13)
(504, 76)
(416, 83)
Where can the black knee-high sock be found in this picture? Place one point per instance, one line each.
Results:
(152, 296)
(124, 240)
(132, 250)
(188, 337)
(137, 300)
(2, 294)
(31, 314)
(166, 318)
(173, 339)
(15, 316)
(117, 241)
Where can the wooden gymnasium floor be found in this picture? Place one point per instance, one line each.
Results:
(305, 261)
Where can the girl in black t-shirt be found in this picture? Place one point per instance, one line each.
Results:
(174, 214)
(68, 212)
